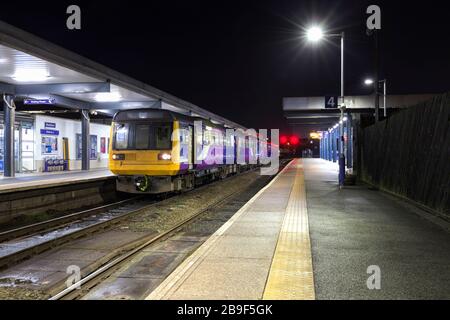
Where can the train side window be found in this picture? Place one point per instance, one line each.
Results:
(199, 138)
(207, 138)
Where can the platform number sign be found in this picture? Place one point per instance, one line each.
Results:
(331, 102)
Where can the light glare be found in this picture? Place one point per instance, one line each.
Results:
(314, 34)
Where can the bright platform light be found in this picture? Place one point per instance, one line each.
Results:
(31, 75)
(368, 82)
(108, 97)
(314, 34)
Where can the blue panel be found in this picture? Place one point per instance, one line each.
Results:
(50, 132)
(39, 101)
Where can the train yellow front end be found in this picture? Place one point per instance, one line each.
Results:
(143, 154)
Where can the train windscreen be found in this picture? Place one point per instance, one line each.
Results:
(142, 136)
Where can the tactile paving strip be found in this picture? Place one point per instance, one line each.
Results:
(291, 274)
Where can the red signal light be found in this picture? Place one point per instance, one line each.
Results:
(294, 140)
(283, 140)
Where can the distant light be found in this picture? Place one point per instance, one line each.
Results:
(31, 75)
(345, 119)
(108, 97)
(368, 82)
(315, 135)
(294, 140)
(314, 34)
(341, 122)
(283, 140)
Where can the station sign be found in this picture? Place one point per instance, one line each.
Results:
(51, 125)
(50, 132)
(331, 102)
(38, 101)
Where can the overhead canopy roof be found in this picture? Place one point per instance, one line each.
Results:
(311, 113)
(31, 67)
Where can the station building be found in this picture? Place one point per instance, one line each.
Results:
(41, 139)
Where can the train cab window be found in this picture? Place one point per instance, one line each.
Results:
(142, 136)
(122, 136)
(163, 137)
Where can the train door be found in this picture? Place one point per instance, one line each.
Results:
(191, 147)
(198, 145)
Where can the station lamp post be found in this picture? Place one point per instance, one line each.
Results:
(316, 34)
(369, 82)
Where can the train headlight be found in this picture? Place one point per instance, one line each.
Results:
(164, 156)
(118, 156)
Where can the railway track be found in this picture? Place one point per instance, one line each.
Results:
(37, 238)
(22, 243)
(82, 287)
(103, 272)
(54, 233)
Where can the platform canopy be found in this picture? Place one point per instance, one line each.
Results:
(38, 73)
(321, 113)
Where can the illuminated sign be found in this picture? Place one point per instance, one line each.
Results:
(315, 135)
(39, 101)
(49, 132)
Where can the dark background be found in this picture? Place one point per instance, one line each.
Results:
(239, 58)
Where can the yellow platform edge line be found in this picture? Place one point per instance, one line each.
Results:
(291, 274)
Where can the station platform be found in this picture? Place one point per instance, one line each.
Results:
(31, 181)
(262, 252)
(303, 238)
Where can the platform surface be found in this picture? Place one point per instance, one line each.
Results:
(301, 237)
(22, 182)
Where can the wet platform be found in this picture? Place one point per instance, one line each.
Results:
(301, 237)
(32, 181)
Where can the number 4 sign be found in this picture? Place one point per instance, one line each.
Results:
(331, 102)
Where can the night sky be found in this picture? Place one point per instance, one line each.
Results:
(239, 58)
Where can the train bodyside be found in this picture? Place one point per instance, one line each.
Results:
(153, 151)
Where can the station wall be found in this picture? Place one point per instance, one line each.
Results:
(408, 154)
(49, 134)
